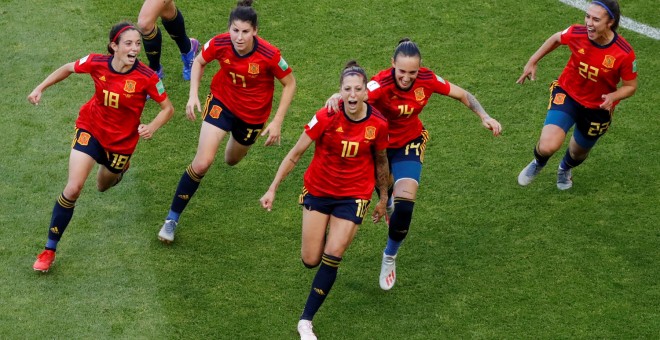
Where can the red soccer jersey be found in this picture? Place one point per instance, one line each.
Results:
(343, 165)
(245, 84)
(402, 107)
(113, 113)
(595, 70)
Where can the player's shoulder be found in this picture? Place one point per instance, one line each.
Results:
(623, 44)
(577, 29)
(376, 115)
(219, 41)
(265, 48)
(425, 74)
(144, 69)
(96, 58)
(383, 78)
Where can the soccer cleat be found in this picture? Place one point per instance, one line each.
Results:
(44, 261)
(528, 174)
(188, 58)
(387, 272)
(564, 179)
(160, 72)
(166, 233)
(306, 330)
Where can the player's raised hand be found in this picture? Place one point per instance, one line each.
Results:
(332, 103)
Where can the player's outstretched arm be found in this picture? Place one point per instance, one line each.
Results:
(529, 72)
(147, 131)
(382, 182)
(469, 100)
(274, 128)
(288, 163)
(57, 76)
(195, 78)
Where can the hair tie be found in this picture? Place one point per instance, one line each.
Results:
(114, 40)
(604, 6)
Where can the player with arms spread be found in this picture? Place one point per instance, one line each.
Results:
(108, 126)
(401, 92)
(350, 148)
(586, 93)
(240, 102)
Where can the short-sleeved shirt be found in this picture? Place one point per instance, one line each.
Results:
(343, 165)
(594, 70)
(402, 107)
(112, 115)
(245, 83)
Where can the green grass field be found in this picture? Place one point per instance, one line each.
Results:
(485, 258)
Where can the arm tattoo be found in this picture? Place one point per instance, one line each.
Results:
(382, 171)
(475, 106)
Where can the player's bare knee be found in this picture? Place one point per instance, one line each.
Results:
(72, 191)
(548, 148)
(201, 166)
(232, 161)
(311, 265)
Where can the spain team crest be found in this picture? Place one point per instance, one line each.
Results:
(84, 138)
(419, 94)
(129, 86)
(559, 98)
(609, 61)
(370, 132)
(215, 112)
(253, 68)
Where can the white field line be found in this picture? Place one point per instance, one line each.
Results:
(626, 22)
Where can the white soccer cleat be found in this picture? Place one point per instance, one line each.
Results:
(528, 174)
(166, 233)
(306, 330)
(387, 272)
(564, 179)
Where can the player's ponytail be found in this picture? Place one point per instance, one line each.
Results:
(352, 68)
(244, 12)
(116, 31)
(407, 48)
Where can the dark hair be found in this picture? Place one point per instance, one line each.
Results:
(612, 9)
(116, 32)
(351, 69)
(244, 12)
(407, 48)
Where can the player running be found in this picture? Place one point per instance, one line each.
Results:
(401, 92)
(586, 93)
(240, 102)
(338, 184)
(108, 126)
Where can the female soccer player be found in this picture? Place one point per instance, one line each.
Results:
(108, 126)
(586, 93)
(400, 93)
(350, 146)
(174, 25)
(240, 102)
